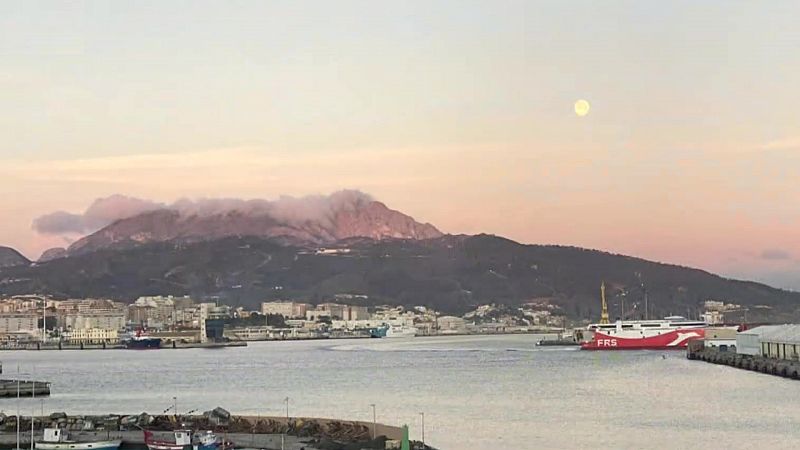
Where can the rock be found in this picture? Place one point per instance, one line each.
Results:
(144, 419)
(58, 416)
(221, 413)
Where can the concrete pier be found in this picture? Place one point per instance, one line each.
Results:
(779, 367)
(8, 388)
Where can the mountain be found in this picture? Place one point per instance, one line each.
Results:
(10, 258)
(51, 254)
(450, 273)
(359, 218)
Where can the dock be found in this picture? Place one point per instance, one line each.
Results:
(772, 366)
(169, 346)
(27, 388)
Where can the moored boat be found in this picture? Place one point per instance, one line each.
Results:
(58, 439)
(401, 331)
(187, 440)
(670, 333)
(142, 341)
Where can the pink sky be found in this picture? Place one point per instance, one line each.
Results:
(457, 113)
(696, 212)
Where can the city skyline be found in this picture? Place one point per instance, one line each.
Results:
(456, 113)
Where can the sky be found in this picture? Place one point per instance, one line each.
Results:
(458, 113)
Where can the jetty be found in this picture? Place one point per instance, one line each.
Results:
(26, 388)
(773, 366)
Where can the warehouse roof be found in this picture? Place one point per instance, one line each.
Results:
(787, 334)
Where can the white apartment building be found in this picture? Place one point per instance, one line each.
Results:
(13, 323)
(87, 321)
(93, 336)
(285, 309)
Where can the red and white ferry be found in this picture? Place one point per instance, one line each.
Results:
(673, 332)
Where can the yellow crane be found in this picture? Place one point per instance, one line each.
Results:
(604, 310)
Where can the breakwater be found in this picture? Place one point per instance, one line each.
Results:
(771, 366)
(171, 345)
(264, 432)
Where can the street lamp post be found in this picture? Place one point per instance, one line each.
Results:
(423, 429)
(374, 420)
(283, 436)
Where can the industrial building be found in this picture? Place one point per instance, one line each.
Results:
(771, 341)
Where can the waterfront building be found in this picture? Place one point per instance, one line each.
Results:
(285, 309)
(18, 322)
(158, 309)
(68, 311)
(259, 333)
(315, 315)
(451, 325)
(212, 321)
(183, 337)
(95, 320)
(771, 341)
(92, 336)
(337, 311)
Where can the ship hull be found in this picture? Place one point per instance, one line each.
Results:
(672, 340)
(98, 445)
(143, 344)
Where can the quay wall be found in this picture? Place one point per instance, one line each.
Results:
(8, 388)
(778, 367)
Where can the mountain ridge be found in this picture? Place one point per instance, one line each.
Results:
(452, 273)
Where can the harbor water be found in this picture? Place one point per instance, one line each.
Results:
(477, 392)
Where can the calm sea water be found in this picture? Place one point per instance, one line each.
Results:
(493, 392)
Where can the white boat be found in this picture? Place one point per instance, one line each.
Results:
(57, 439)
(401, 331)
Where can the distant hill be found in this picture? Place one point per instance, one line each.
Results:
(10, 257)
(450, 273)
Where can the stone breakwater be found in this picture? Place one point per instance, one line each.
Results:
(771, 366)
(244, 431)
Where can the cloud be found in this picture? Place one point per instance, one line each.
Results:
(286, 209)
(775, 254)
(100, 213)
(783, 144)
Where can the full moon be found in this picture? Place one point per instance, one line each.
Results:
(582, 108)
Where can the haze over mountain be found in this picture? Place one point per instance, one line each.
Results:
(312, 220)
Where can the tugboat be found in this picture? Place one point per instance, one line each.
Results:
(187, 440)
(141, 341)
(57, 439)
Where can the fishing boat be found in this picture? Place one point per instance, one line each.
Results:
(58, 439)
(187, 440)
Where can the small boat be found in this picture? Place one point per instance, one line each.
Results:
(187, 440)
(57, 439)
(141, 341)
(559, 342)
